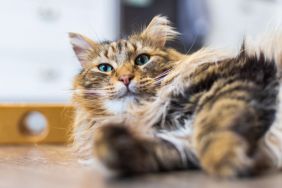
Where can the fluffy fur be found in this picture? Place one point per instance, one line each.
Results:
(208, 109)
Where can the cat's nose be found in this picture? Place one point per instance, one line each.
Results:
(126, 79)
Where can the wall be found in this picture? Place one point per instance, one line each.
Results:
(36, 61)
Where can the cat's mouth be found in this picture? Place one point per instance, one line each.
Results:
(128, 93)
(132, 90)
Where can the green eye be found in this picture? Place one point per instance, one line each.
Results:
(142, 59)
(104, 67)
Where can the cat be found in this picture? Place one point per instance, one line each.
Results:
(143, 107)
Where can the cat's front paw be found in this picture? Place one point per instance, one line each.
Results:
(119, 149)
(226, 156)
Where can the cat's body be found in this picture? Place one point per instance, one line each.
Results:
(144, 108)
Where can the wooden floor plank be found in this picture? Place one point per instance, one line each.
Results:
(48, 166)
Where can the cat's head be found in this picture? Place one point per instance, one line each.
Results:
(123, 71)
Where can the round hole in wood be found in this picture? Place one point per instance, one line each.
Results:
(34, 124)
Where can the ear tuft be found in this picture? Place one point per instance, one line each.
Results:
(82, 46)
(159, 31)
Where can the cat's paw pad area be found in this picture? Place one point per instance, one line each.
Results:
(118, 149)
(227, 158)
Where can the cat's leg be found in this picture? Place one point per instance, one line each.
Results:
(227, 129)
(128, 152)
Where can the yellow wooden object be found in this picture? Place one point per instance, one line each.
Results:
(12, 123)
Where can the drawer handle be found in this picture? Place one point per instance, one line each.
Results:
(34, 123)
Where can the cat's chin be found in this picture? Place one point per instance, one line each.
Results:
(119, 105)
(126, 93)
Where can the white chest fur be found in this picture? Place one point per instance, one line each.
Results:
(118, 106)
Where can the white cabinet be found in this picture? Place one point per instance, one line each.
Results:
(36, 60)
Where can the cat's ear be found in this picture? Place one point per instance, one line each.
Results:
(159, 31)
(82, 46)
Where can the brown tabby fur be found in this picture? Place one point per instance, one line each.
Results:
(205, 110)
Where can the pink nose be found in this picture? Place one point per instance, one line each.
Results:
(125, 79)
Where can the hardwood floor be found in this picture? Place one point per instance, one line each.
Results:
(48, 166)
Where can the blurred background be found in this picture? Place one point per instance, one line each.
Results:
(36, 60)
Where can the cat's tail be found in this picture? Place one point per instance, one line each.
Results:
(270, 148)
(269, 154)
(268, 44)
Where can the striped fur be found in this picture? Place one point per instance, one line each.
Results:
(210, 110)
(100, 95)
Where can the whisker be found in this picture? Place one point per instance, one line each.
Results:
(99, 88)
(192, 45)
(164, 73)
(92, 90)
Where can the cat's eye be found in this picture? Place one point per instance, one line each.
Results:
(142, 59)
(104, 67)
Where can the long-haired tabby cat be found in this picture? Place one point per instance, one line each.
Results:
(142, 107)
